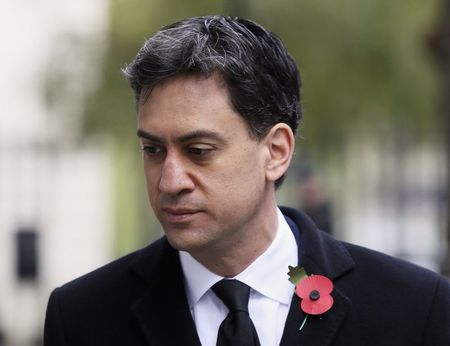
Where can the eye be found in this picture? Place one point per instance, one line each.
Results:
(151, 150)
(200, 151)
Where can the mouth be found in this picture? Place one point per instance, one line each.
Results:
(179, 215)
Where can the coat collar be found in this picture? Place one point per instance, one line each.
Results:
(321, 254)
(163, 312)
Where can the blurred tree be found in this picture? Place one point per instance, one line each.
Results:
(363, 67)
(439, 44)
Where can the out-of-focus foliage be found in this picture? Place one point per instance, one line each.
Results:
(363, 63)
(364, 66)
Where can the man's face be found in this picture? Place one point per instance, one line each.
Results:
(205, 176)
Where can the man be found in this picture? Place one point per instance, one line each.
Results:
(218, 107)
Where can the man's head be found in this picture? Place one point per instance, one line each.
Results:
(217, 111)
(261, 77)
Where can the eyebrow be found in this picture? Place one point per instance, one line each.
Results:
(144, 134)
(197, 134)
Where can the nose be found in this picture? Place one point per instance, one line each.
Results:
(174, 176)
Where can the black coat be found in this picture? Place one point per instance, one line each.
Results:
(140, 300)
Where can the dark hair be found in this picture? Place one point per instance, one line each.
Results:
(261, 76)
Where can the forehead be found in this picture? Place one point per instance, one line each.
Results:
(188, 103)
(187, 85)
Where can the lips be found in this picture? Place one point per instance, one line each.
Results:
(179, 215)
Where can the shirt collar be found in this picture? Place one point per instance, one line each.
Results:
(266, 275)
(198, 279)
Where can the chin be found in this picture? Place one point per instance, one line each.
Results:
(185, 243)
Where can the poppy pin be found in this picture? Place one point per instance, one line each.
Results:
(313, 290)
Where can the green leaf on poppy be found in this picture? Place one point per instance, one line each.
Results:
(296, 274)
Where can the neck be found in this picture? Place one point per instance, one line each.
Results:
(245, 247)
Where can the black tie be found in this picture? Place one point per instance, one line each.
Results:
(237, 328)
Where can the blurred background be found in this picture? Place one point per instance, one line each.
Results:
(372, 159)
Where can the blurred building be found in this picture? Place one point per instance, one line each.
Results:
(382, 192)
(55, 203)
(390, 196)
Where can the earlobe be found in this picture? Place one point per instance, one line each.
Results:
(280, 143)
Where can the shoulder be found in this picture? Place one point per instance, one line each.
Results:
(409, 299)
(97, 308)
(393, 294)
(121, 274)
(390, 272)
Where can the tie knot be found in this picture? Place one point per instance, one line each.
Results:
(233, 293)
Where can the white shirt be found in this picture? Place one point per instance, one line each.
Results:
(270, 295)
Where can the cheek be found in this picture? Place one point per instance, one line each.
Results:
(152, 181)
(241, 177)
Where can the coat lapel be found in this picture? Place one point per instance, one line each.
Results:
(318, 254)
(163, 312)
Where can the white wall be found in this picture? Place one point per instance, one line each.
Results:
(48, 180)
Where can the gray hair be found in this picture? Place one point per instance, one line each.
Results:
(261, 76)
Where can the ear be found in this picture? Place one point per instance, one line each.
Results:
(280, 144)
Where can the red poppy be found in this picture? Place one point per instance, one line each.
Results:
(315, 292)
